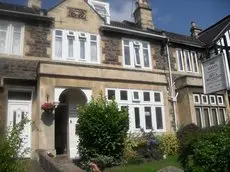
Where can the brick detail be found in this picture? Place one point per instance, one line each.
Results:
(112, 50)
(38, 42)
(18, 69)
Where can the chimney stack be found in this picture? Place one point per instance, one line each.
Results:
(143, 14)
(35, 3)
(195, 30)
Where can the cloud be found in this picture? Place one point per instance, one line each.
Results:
(122, 9)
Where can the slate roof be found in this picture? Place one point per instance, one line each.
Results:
(174, 37)
(214, 32)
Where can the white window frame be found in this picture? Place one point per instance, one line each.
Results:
(9, 37)
(102, 4)
(222, 100)
(210, 99)
(133, 64)
(141, 104)
(191, 56)
(76, 47)
(133, 97)
(180, 59)
(161, 97)
(194, 99)
(208, 108)
(202, 99)
(201, 116)
(150, 96)
(194, 59)
(187, 56)
(211, 121)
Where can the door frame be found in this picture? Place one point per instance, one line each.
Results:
(18, 102)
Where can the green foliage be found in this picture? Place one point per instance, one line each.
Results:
(185, 131)
(141, 147)
(169, 144)
(11, 152)
(102, 129)
(208, 150)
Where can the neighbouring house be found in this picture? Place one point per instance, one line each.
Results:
(71, 52)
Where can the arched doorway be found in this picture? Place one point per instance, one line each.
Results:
(66, 139)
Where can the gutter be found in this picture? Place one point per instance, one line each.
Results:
(114, 28)
(30, 15)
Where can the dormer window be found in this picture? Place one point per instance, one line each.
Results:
(102, 9)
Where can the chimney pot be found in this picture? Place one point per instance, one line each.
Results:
(195, 30)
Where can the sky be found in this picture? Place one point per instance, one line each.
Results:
(170, 15)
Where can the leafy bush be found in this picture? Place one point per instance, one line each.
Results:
(141, 147)
(208, 150)
(11, 152)
(102, 129)
(169, 144)
(185, 131)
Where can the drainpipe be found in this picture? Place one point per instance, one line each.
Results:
(173, 94)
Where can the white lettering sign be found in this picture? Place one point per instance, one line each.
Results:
(215, 76)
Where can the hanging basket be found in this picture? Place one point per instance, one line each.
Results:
(48, 107)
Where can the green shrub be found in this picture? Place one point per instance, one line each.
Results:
(207, 150)
(169, 144)
(102, 129)
(11, 152)
(185, 131)
(141, 147)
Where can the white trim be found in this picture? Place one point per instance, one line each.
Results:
(212, 122)
(180, 60)
(133, 96)
(133, 58)
(76, 46)
(10, 37)
(222, 100)
(141, 104)
(134, 31)
(202, 99)
(194, 99)
(210, 99)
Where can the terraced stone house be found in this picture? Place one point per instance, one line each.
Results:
(71, 52)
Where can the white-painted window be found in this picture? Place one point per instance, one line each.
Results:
(208, 112)
(102, 9)
(11, 37)
(196, 98)
(187, 61)
(76, 46)
(136, 54)
(145, 107)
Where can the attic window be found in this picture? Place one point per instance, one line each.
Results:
(102, 8)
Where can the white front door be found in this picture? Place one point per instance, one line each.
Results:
(73, 137)
(17, 111)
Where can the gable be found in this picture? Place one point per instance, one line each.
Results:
(76, 15)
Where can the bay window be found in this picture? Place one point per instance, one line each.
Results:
(208, 111)
(136, 54)
(145, 108)
(76, 46)
(11, 37)
(187, 61)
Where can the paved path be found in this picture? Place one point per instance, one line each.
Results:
(35, 167)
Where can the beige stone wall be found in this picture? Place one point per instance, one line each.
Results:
(62, 21)
(49, 83)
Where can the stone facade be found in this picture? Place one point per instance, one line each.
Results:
(112, 50)
(37, 40)
(18, 69)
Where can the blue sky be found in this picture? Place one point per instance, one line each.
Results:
(170, 15)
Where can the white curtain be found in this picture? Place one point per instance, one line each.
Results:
(93, 51)
(2, 41)
(58, 47)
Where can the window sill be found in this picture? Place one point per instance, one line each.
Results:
(75, 61)
(138, 68)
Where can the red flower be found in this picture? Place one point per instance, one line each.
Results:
(48, 106)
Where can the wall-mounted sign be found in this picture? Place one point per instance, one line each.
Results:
(215, 74)
(77, 13)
